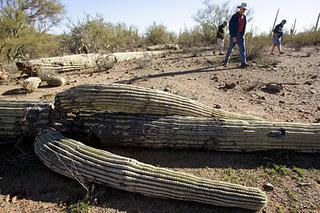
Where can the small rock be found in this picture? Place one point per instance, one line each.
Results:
(305, 184)
(314, 77)
(308, 83)
(228, 86)
(166, 89)
(217, 106)
(13, 199)
(281, 102)
(272, 88)
(7, 198)
(268, 187)
(214, 78)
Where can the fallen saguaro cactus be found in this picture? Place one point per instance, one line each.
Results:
(23, 118)
(79, 62)
(137, 100)
(78, 161)
(198, 133)
(164, 46)
(69, 63)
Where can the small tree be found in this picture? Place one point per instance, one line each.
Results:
(24, 23)
(212, 15)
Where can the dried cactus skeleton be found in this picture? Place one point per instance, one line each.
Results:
(76, 160)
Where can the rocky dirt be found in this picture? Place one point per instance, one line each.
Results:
(277, 87)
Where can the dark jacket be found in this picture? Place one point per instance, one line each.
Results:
(221, 31)
(278, 30)
(234, 24)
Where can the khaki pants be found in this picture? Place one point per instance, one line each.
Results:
(220, 45)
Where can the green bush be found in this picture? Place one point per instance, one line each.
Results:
(100, 36)
(256, 45)
(190, 38)
(158, 34)
(308, 38)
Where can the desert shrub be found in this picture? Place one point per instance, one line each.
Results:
(101, 36)
(189, 38)
(303, 39)
(158, 34)
(256, 45)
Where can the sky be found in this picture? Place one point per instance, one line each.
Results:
(177, 15)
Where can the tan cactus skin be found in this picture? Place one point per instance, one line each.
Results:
(136, 100)
(76, 160)
(23, 118)
(199, 133)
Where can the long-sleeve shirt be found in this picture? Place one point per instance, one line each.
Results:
(234, 24)
(278, 30)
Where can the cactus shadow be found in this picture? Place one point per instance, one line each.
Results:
(216, 68)
(197, 159)
(17, 91)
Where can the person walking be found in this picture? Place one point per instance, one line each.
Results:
(220, 37)
(277, 36)
(237, 28)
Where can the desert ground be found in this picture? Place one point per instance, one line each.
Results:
(291, 180)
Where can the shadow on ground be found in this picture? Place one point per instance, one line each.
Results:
(18, 91)
(176, 73)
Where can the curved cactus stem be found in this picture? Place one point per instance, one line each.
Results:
(76, 160)
(136, 100)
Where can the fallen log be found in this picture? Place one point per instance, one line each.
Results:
(198, 133)
(23, 118)
(137, 100)
(85, 164)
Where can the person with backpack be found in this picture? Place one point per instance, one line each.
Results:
(277, 36)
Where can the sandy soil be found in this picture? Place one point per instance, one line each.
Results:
(26, 185)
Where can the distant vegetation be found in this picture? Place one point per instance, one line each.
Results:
(25, 25)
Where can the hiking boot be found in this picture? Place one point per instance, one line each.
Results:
(245, 65)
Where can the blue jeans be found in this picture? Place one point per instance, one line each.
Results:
(242, 49)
